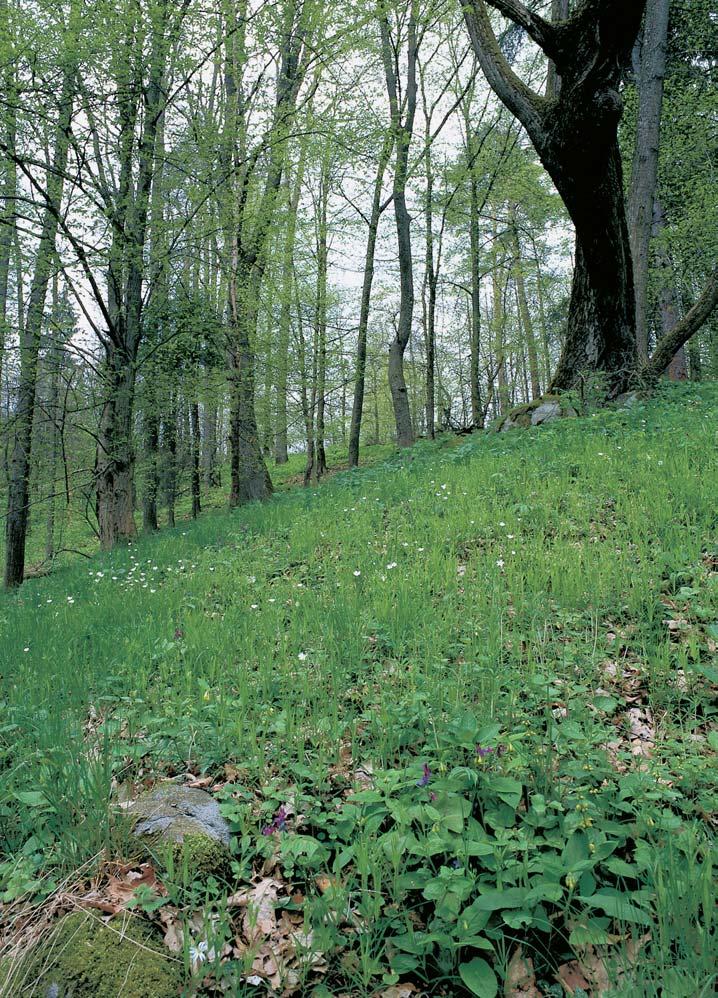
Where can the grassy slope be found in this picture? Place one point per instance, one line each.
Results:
(470, 591)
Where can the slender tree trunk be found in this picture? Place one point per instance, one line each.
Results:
(525, 313)
(196, 451)
(209, 449)
(115, 457)
(475, 319)
(360, 375)
(152, 443)
(321, 319)
(8, 183)
(644, 178)
(19, 484)
(403, 125)
(285, 316)
(53, 406)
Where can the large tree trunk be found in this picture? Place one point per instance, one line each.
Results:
(645, 160)
(600, 336)
(576, 137)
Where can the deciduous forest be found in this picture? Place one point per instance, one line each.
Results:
(359, 470)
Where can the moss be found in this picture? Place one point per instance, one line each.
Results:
(87, 958)
(202, 857)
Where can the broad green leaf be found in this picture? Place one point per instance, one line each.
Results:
(479, 978)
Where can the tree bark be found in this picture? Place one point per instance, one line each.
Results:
(367, 283)
(644, 177)
(402, 120)
(576, 138)
(196, 451)
(525, 312)
(672, 341)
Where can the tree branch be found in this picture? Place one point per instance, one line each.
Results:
(526, 105)
(670, 344)
(541, 31)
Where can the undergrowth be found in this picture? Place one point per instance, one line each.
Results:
(459, 708)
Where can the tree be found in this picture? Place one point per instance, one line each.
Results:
(576, 137)
(644, 177)
(402, 114)
(19, 485)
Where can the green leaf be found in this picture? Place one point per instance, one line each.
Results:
(33, 798)
(479, 978)
(618, 906)
(513, 897)
(506, 789)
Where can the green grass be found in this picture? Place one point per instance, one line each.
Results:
(466, 593)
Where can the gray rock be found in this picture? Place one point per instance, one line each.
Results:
(546, 413)
(171, 812)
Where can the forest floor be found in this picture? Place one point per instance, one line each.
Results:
(458, 707)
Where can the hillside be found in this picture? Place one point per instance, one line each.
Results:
(468, 694)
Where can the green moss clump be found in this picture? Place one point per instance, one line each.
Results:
(87, 958)
(202, 857)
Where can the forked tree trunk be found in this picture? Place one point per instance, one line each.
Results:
(576, 137)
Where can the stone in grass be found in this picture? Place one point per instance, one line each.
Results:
(542, 410)
(84, 957)
(188, 820)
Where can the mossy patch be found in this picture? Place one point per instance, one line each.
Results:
(85, 957)
(201, 857)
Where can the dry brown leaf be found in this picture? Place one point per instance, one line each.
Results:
(520, 977)
(260, 918)
(172, 924)
(399, 991)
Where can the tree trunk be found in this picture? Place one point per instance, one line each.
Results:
(644, 178)
(196, 451)
(19, 483)
(672, 341)
(576, 138)
(115, 457)
(403, 127)
(285, 315)
(321, 318)
(525, 313)
(360, 375)
(152, 443)
(475, 323)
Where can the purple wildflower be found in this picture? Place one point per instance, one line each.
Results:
(279, 822)
(426, 778)
(482, 753)
(432, 796)
(179, 633)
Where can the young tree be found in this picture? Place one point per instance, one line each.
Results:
(402, 112)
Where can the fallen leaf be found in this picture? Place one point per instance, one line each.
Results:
(520, 978)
